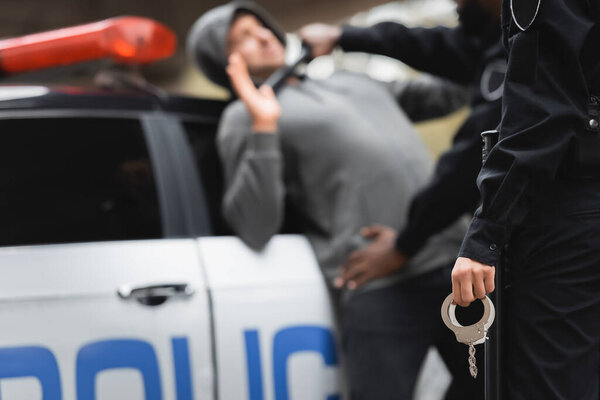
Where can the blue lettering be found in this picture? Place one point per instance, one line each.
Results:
(253, 363)
(37, 362)
(110, 354)
(299, 339)
(181, 360)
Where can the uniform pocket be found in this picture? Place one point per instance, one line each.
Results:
(523, 60)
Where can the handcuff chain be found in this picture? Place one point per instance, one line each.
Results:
(472, 361)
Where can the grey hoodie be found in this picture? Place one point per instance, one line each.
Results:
(345, 156)
(207, 40)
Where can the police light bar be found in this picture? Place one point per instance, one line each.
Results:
(130, 40)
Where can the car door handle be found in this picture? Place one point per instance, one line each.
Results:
(153, 295)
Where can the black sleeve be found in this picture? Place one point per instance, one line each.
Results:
(545, 98)
(423, 99)
(441, 51)
(452, 192)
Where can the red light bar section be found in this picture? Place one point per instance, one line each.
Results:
(130, 40)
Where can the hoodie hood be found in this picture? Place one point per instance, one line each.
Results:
(207, 40)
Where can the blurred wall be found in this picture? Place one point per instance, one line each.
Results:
(25, 16)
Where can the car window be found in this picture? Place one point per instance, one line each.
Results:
(75, 180)
(202, 140)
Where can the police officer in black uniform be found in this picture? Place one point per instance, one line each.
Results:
(540, 190)
(470, 54)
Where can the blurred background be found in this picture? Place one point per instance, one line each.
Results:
(20, 17)
(178, 75)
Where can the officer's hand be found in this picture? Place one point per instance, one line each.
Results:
(378, 259)
(322, 38)
(471, 280)
(261, 103)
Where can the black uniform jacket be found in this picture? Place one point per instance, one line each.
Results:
(548, 83)
(455, 55)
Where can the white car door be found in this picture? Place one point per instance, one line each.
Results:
(95, 302)
(275, 332)
(274, 326)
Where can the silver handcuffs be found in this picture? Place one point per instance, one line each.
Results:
(472, 334)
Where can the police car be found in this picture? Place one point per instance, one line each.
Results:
(118, 277)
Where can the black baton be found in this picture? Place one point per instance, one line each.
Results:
(492, 347)
(278, 77)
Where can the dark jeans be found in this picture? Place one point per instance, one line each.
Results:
(552, 307)
(387, 333)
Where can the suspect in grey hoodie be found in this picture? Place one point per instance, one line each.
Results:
(345, 156)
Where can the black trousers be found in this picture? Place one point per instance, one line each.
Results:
(387, 333)
(552, 298)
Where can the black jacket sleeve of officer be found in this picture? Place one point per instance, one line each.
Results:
(452, 191)
(423, 99)
(441, 51)
(544, 105)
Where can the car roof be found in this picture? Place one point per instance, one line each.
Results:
(41, 97)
